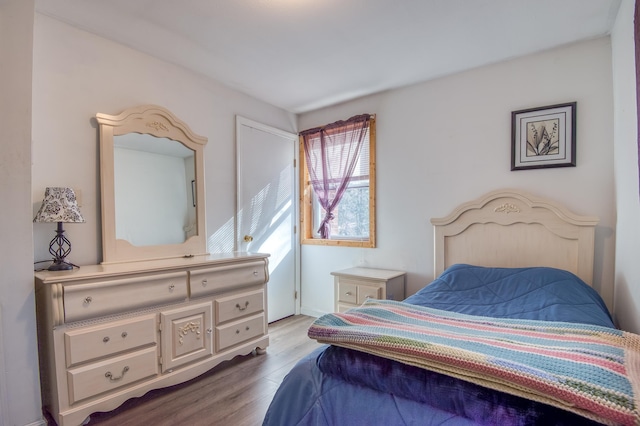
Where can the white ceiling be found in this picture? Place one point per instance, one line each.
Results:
(302, 55)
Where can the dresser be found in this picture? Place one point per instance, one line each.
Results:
(107, 333)
(354, 285)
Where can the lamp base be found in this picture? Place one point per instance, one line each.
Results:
(60, 266)
(60, 247)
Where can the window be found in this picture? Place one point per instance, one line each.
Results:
(337, 173)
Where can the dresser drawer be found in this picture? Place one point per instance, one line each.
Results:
(238, 306)
(238, 332)
(93, 300)
(87, 343)
(94, 379)
(207, 281)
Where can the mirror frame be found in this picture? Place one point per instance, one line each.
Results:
(160, 122)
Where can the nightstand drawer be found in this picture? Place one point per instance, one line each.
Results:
(234, 333)
(94, 379)
(347, 292)
(98, 299)
(367, 292)
(352, 291)
(233, 307)
(207, 281)
(341, 307)
(87, 343)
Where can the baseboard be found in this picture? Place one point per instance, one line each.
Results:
(42, 422)
(311, 312)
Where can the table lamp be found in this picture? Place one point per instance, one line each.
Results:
(59, 205)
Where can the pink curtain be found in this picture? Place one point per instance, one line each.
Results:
(332, 152)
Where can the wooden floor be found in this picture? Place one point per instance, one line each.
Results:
(236, 392)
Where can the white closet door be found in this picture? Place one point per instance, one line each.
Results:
(267, 208)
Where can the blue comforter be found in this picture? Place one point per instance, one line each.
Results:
(337, 386)
(527, 293)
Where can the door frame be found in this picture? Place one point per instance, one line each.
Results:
(243, 121)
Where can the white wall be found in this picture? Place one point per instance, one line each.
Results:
(627, 279)
(19, 381)
(448, 141)
(76, 75)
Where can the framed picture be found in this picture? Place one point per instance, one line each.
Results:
(544, 137)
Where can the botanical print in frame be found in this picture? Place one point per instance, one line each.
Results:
(544, 137)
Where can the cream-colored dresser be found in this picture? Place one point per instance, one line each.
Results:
(108, 333)
(354, 285)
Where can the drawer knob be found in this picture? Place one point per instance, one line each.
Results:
(171, 287)
(88, 300)
(242, 308)
(237, 331)
(247, 328)
(209, 330)
(348, 293)
(111, 378)
(105, 339)
(255, 273)
(124, 334)
(204, 283)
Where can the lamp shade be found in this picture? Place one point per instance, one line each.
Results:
(59, 205)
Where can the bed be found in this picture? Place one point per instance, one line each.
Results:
(506, 261)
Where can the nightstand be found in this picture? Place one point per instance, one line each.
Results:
(354, 285)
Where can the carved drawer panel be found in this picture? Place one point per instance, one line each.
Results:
(207, 281)
(93, 300)
(87, 343)
(238, 332)
(186, 335)
(96, 378)
(238, 306)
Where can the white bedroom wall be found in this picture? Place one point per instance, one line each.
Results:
(627, 279)
(19, 381)
(78, 74)
(448, 141)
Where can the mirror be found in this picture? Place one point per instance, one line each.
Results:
(152, 178)
(152, 186)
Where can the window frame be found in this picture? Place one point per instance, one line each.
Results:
(306, 201)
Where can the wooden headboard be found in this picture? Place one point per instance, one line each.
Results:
(509, 228)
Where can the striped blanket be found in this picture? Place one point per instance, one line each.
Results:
(589, 370)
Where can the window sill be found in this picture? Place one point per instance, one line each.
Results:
(339, 243)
